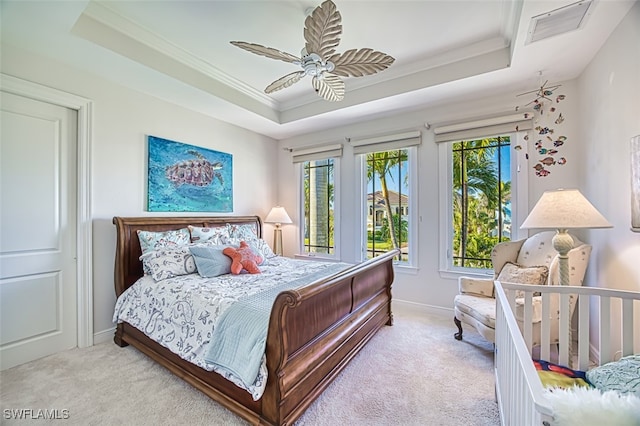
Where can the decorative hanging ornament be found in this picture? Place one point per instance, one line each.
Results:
(545, 126)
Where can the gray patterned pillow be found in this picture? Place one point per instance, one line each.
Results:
(154, 240)
(169, 263)
(244, 232)
(215, 235)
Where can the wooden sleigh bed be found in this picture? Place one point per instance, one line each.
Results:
(313, 331)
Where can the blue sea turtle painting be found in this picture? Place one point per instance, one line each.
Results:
(188, 178)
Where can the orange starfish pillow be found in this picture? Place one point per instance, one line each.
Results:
(243, 258)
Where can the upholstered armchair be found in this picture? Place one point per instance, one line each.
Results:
(529, 261)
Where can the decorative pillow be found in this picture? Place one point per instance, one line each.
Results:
(211, 261)
(243, 258)
(214, 235)
(622, 375)
(169, 263)
(155, 240)
(514, 273)
(259, 247)
(145, 266)
(244, 232)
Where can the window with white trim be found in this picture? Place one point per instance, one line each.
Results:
(389, 200)
(319, 200)
(482, 192)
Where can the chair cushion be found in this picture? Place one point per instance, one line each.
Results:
(483, 309)
(477, 286)
(536, 309)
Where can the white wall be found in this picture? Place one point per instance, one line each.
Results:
(609, 117)
(122, 119)
(426, 287)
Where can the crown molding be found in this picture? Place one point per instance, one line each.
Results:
(102, 13)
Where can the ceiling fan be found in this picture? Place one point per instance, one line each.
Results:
(318, 58)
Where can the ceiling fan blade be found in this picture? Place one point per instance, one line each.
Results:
(269, 52)
(329, 86)
(322, 30)
(357, 63)
(285, 81)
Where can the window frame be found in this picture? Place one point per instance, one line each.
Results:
(336, 211)
(519, 201)
(362, 189)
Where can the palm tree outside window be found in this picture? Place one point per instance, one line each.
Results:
(481, 199)
(387, 177)
(319, 196)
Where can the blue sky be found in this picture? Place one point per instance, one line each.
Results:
(394, 182)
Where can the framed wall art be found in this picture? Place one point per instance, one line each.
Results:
(635, 183)
(188, 178)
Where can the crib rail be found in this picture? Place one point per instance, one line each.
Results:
(518, 388)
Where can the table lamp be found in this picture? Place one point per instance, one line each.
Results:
(561, 210)
(277, 215)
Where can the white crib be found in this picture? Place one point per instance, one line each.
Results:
(520, 394)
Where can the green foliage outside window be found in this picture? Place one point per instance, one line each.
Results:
(481, 200)
(387, 175)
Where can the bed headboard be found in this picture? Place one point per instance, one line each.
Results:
(128, 267)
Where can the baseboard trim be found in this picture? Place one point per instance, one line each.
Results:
(104, 336)
(404, 306)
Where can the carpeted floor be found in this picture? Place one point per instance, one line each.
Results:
(414, 373)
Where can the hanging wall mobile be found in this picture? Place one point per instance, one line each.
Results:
(547, 131)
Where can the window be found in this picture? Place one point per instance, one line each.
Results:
(389, 177)
(387, 193)
(318, 183)
(483, 195)
(318, 169)
(481, 199)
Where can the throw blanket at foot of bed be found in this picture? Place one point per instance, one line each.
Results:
(238, 341)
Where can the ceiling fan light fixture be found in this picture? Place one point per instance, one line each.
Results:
(318, 58)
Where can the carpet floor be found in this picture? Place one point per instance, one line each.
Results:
(413, 373)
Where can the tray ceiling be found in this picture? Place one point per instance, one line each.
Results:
(180, 51)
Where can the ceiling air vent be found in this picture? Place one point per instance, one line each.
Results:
(559, 21)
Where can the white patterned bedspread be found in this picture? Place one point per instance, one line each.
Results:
(180, 313)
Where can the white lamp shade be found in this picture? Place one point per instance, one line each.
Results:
(564, 209)
(278, 215)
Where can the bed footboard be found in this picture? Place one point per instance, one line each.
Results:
(520, 394)
(314, 332)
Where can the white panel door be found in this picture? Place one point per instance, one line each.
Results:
(37, 229)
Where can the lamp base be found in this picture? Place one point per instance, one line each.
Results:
(563, 243)
(277, 241)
